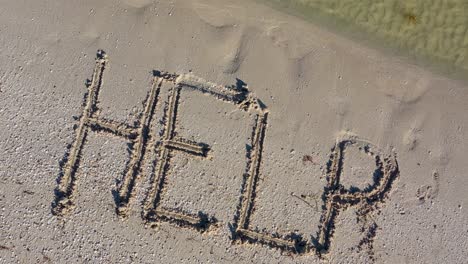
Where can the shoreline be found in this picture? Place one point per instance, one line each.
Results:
(395, 46)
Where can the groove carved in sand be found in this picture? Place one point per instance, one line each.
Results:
(170, 143)
(143, 139)
(90, 121)
(335, 196)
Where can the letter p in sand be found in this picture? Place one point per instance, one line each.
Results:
(336, 197)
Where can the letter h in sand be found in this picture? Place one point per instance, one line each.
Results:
(90, 121)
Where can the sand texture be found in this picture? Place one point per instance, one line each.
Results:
(211, 131)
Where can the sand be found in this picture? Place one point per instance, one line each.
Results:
(220, 132)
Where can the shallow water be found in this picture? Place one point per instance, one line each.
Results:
(434, 32)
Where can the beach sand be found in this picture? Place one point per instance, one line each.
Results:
(206, 131)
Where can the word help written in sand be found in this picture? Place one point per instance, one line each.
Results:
(166, 144)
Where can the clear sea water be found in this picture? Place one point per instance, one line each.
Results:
(430, 32)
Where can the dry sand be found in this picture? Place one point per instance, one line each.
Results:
(208, 131)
